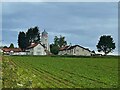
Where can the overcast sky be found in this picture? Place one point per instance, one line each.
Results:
(81, 23)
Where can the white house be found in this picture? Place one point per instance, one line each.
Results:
(42, 48)
(75, 50)
(36, 49)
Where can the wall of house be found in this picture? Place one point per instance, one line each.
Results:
(39, 50)
(29, 51)
(80, 51)
(75, 51)
(18, 53)
(62, 52)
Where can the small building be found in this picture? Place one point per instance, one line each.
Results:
(76, 50)
(13, 51)
(36, 49)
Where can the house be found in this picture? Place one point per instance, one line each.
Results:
(42, 48)
(75, 50)
(36, 49)
(13, 51)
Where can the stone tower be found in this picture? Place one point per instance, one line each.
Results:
(44, 40)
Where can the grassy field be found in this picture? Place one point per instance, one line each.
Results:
(59, 72)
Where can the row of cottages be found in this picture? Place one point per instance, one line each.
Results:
(12, 51)
(76, 50)
(33, 49)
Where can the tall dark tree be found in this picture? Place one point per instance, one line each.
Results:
(22, 41)
(58, 43)
(106, 44)
(54, 49)
(62, 41)
(11, 45)
(33, 35)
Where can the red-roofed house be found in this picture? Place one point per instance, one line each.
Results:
(75, 50)
(36, 49)
(13, 51)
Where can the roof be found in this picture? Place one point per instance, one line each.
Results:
(64, 48)
(11, 49)
(44, 32)
(71, 47)
(34, 45)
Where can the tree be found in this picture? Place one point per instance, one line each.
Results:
(106, 44)
(33, 35)
(5, 47)
(58, 43)
(62, 41)
(54, 49)
(22, 41)
(11, 45)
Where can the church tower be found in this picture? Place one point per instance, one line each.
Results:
(44, 40)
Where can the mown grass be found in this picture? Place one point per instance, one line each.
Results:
(60, 72)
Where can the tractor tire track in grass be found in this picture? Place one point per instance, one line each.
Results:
(94, 80)
(24, 66)
(52, 78)
(69, 72)
(45, 79)
(87, 78)
(65, 80)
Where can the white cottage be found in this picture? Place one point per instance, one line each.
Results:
(36, 49)
(75, 50)
(40, 48)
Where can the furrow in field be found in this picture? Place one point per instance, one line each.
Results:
(85, 77)
(45, 85)
(52, 78)
(58, 78)
(94, 80)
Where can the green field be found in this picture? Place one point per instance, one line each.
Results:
(59, 72)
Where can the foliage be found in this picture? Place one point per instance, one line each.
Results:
(5, 47)
(22, 41)
(14, 76)
(59, 72)
(31, 36)
(11, 45)
(106, 44)
(54, 49)
(58, 43)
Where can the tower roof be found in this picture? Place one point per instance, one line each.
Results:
(44, 32)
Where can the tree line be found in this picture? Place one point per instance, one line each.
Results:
(105, 44)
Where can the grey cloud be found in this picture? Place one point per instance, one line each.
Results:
(81, 23)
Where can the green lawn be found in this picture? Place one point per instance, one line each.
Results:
(59, 72)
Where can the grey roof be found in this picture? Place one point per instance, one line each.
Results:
(44, 32)
(71, 47)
